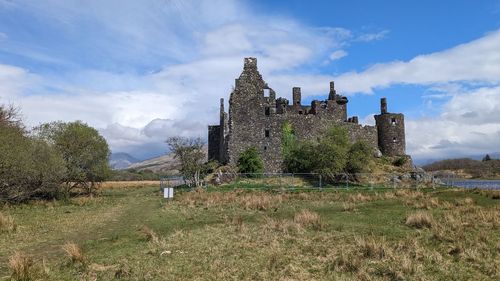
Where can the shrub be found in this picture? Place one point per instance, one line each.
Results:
(250, 161)
(360, 157)
(420, 220)
(400, 161)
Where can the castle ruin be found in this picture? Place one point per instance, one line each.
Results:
(256, 118)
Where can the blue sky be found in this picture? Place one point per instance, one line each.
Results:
(140, 71)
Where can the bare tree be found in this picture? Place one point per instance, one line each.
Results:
(190, 153)
(10, 116)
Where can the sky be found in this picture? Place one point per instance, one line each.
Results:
(141, 71)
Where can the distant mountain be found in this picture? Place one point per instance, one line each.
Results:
(467, 167)
(428, 161)
(164, 163)
(121, 160)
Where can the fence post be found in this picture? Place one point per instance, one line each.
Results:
(320, 182)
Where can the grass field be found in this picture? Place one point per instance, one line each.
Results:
(134, 234)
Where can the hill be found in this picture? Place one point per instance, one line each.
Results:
(467, 168)
(121, 160)
(164, 163)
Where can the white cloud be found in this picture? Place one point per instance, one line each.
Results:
(185, 55)
(476, 61)
(368, 37)
(206, 40)
(468, 125)
(338, 55)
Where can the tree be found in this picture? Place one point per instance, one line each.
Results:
(29, 168)
(360, 157)
(9, 117)
(331, 152)
(330, 155)
(250, 161)
(486, 158)
(189, 151)
(84, 151)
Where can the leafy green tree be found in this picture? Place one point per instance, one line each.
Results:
(330, 154)
(360, 157)
(250, 161)
(189, 151)
(29, 168)
(486, 158)
(84, 150)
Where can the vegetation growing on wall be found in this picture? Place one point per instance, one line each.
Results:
(250, 161)
(331, 154)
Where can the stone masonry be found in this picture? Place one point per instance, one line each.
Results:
(256, 118)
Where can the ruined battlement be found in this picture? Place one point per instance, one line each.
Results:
(256, 117)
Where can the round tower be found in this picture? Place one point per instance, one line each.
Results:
(391, 131)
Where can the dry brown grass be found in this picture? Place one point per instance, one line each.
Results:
(348, 207)
(308, 219)
(465, 202)
(74, 252)
(358, 197)
(369, 247)
(20, 264)
(7, 223)
(283, 226)
(427, 203)
(420, 220)
(127, 184)
(260, 201)
(149, 234)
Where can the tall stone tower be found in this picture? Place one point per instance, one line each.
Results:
(391, 131)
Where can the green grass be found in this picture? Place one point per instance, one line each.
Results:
(225, 234)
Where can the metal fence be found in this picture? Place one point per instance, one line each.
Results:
(315, 180)
(414, 180)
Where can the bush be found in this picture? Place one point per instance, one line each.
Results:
(360, 157)
(400, 161)
(250, 161)
(29, 168)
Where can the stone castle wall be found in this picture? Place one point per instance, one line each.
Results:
(256, 119)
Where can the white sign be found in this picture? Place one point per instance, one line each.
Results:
(168, 192)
